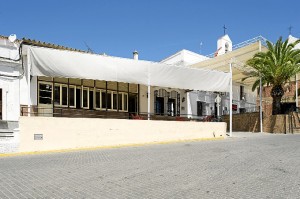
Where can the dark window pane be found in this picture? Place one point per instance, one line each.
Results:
(103, 98)
(45, 94)
(97, 99)
(109, 101)
(115, 102)
(120, 102)
(72, 96)
(56, 95)
(85, 98)
(125, 102)
(64, 95)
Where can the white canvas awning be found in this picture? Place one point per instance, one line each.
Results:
(70, 64)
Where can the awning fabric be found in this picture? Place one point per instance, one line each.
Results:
(70, 64)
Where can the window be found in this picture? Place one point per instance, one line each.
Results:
(115, 102)
(226, 47)
(56, 95)
(85, 98)
(125, 106)
(98, 99)
(64, 96)
(242, 93)
(109, 99)
(60, 95)
(72, 96)
(103, 100)
(122, 101)
(45, 93)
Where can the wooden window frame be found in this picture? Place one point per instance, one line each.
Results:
(45, 83)
(72, 87)
(88, 97)
(60, 95)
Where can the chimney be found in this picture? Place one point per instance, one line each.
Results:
(135, 55)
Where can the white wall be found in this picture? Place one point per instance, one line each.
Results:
(10, 85)
(24, 85)
(209, 99)
(8, 49)
(184, 58)
(70, 133)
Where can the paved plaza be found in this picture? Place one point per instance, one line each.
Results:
(245, 166)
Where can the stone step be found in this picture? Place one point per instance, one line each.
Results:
(6, 133)
(4, 124)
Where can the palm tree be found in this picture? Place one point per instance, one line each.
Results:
(275, 67)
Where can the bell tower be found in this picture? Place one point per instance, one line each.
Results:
(224, 44)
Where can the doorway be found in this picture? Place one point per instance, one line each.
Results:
(171, 107)
(159, 109)
(132, 103)
(199, 108)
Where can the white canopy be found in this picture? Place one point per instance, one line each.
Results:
(70, 64)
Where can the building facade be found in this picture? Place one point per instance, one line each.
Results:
(203, 103)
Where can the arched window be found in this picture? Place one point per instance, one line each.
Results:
(226, 47)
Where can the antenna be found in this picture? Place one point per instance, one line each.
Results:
(12, 38)
(88, 48)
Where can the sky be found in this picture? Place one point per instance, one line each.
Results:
(155, 28)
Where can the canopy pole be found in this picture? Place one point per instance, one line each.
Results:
(296, 82)
(149, 97)
(230, 102)
(28, 84)
(260, 106)
(260, 96)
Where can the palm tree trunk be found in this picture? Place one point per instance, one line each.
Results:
(277, 92)
(276, 106)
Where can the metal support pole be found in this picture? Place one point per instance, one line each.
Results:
(260, 106)
(260, 97)
(296, 82)
(149, 97)
(230, 102)
(29, 85)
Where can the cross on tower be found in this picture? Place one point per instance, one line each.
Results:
(290, 30)
(225, 28)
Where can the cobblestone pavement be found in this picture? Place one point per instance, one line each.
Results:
(245, 166)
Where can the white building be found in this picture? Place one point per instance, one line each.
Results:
(42, 79)
(203, 103)
(10, 74)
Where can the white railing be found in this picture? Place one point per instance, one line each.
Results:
(245, 43)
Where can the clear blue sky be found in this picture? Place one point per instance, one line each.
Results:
(156, 28)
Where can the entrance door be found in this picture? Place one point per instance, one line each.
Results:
(199, 108)
(159, 106)
(132, 103)
(171, 107)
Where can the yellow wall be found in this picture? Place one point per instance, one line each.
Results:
(71, 133)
